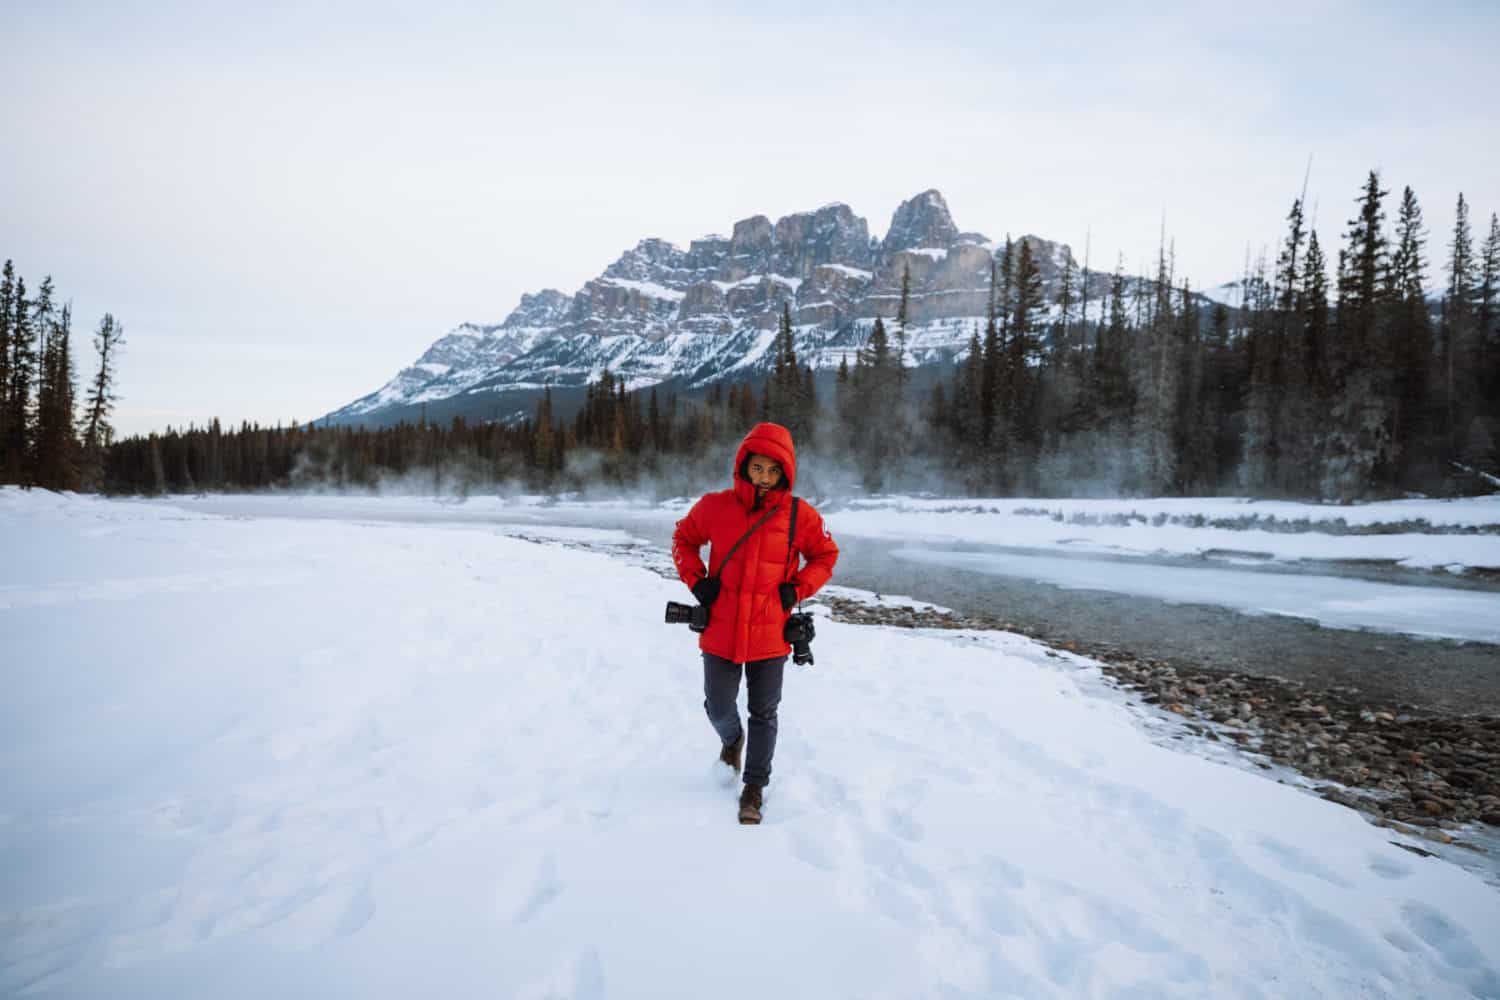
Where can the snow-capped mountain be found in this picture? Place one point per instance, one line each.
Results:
(663, 314)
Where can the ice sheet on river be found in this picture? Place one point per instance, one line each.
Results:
(1337, 602)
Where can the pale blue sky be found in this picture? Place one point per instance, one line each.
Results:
(286, 203)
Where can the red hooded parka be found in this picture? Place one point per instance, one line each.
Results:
(746, 620)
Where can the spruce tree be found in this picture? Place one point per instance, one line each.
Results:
(1362, 277)
(901, 321)
(1316, 329)
(1062, 345)
(7, 297)
(1277, 412)
(56, 459)
(1193, 437)
(1024, 356)
(543, 442)
(1457, 326)
(1410, 346)
(1220, 395)
(787, 404)
(845, 405)
(1109, 379)
(1156, 370)
(1359, 440)
(878, 412)
(991, 360)
(655, 430)
(22, 372)
(1488, 316)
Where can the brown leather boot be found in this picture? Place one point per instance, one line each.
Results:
(750, 805)
(730, 754)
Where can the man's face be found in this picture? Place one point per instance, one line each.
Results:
(765, 473)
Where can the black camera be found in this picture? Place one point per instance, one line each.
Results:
(799, 632)
(694, 616)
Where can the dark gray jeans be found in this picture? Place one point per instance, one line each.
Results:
(721, 690)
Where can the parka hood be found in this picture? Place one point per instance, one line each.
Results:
(773, 441)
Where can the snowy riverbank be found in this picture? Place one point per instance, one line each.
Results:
(381, 759)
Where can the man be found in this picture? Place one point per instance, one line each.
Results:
(750, 595)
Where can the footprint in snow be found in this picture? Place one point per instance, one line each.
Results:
(545, 887)
(1391, 868)
(1465, 965)
(1299, 862)
(582, 978)
(337, 911)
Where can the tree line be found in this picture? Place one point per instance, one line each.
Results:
(1338, 384)
(44, 439)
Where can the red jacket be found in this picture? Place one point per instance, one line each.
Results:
(746, 620)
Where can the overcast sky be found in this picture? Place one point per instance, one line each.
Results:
(285, 205)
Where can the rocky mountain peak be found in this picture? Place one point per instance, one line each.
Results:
(646, 260)
(921, 221)
(548, 307)
(831, 235)
(661, 314)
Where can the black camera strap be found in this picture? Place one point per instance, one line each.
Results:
(791, 539)
(735, 547)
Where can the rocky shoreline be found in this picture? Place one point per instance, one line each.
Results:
(1418, 772)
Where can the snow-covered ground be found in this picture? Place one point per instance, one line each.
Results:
(260, 757)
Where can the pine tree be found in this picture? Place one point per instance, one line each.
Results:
(1110, 382)
(879, 347)
(808, 418)
(1195, 416)
(1275, 412)
(1287, 273)
(1157, 368)
(844, 406)
(787, 404)
(991, 360)
(1362, 276)
(23, 360)
(7, 308)
(1457, 332)
(655, 432)
(968, 396)
(1488, 335)
(901, 321)
(158, 480)
(1304, 393)
(1359, 440)
(1061, 342)
(1024, 356)
(1316, 348)
(1410, 345)
(56, 447)
(1220, 393)
(878, 417)
(543, 443)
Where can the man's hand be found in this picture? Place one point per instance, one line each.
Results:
(706, 590)
(788, 596)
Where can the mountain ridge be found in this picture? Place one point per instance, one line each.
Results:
(661, 314)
